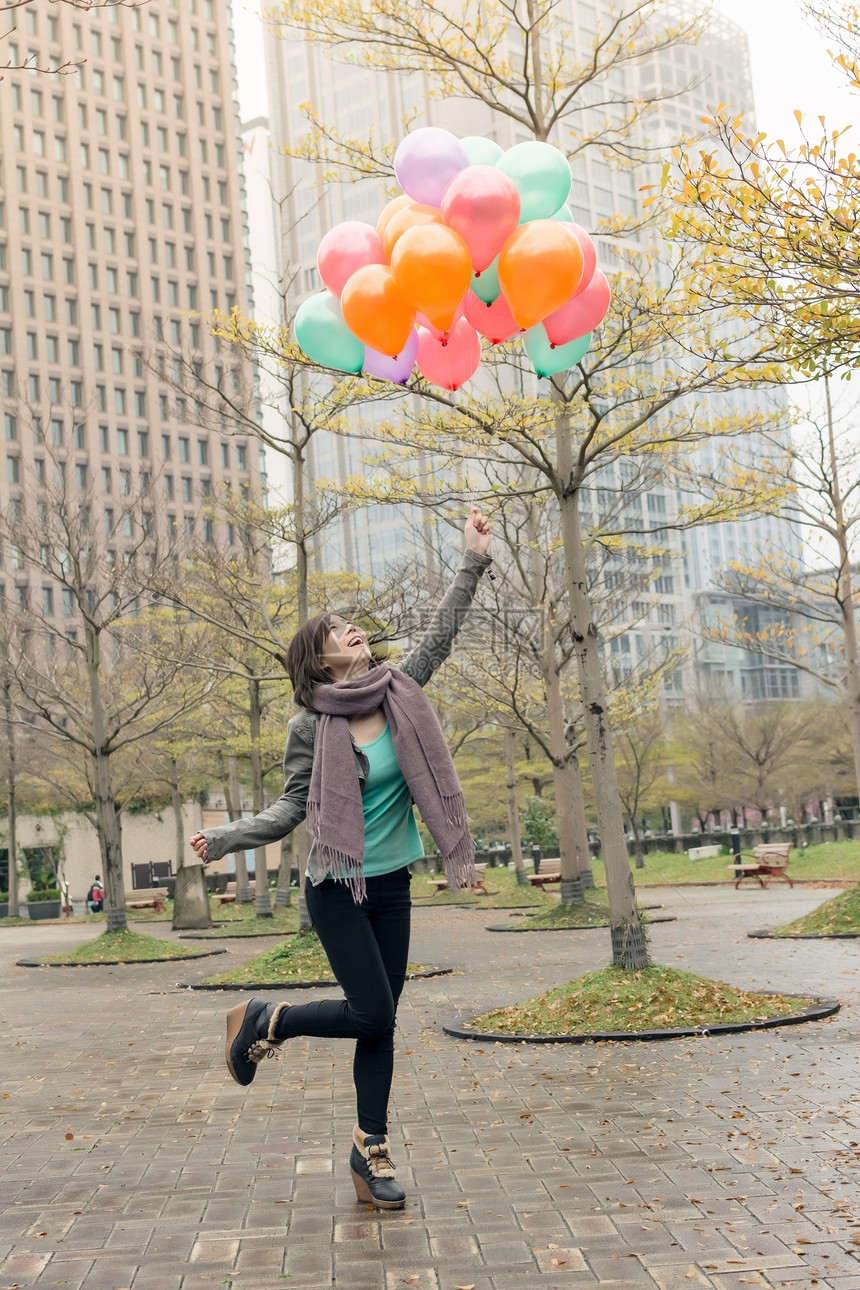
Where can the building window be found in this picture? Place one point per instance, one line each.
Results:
(184, 453)
(13, 470)
(11, 425)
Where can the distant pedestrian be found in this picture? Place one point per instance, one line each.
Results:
(96, 896)
(365, 747)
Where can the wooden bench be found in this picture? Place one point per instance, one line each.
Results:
(770, 860)
(152, 898)
(441, 884)
(228, 896)
(550, 873)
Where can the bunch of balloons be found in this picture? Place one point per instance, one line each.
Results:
(479, 243)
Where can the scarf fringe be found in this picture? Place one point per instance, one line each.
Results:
(329, 861)
(460, 865)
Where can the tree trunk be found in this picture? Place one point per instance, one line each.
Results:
(244, 895)
(283, 896)
(191, 910)
(107, 816)
(629, 948)
(846, 594)
(573, 775)
(571, 883)
(11, 777)
(263, 900)
(303, 847)
(513, 809)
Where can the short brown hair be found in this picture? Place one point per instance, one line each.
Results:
(304, 659)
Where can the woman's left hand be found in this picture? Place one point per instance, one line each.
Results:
(477, 531)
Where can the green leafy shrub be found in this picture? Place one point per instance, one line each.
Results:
(47, 893)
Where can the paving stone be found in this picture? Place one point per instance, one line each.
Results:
(628, 1164)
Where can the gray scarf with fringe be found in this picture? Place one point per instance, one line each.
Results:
(334, 810)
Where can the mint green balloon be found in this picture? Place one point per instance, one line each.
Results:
(486, 285)
(564, 215)
(481, 151)
(548, 361)
(542, 177)
(325, 337)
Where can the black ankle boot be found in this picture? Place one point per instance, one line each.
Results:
(373, 1172)
(251, 1036)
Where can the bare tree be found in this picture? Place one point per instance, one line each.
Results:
(91, 672)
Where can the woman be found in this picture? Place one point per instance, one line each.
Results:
(365, 747)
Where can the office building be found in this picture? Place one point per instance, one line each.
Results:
(122, 224)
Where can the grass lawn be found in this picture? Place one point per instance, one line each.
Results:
(123, 947)
(500, 883)
(612, 1000)
(837, 917)
(593, 911)
(836, 860)
(301, 958)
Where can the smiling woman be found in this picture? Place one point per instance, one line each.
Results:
(366, 746)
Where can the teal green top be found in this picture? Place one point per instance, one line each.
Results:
(391, 838)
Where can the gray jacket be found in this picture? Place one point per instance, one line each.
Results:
(420, 663)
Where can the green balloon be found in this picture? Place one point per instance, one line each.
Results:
(486, 285)
(481, 151)
(542, 177)
(547, 361)
(564, 215)
(325, 337)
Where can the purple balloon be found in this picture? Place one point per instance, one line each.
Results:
(426, 161)
(397, 369)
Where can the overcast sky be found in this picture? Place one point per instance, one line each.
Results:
(789, 60)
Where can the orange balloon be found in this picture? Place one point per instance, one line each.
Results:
(391, 209)
(433, 271)
(412, 216)
(375, 311)
(540, 266)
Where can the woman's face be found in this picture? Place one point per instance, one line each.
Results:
(345, 651)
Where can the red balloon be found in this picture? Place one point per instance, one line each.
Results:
(581, 313)
(494, 321)
(483, 206)
(448, 363)
(589, 255)
(345, 248)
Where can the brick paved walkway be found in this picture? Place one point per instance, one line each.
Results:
(131, 1160)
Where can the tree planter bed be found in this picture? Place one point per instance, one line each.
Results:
(817, 1011)
(167, 958)
(581, 927)
(295, 985)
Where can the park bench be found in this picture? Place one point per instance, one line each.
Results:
(441, 884)
(550, 873)
(770, 860)
(228, 896)
(148, 898)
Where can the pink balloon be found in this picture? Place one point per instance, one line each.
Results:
(589, 256)
(422, 321)
(494, 321)
(448, 363)
(397, 369)
(581, 313)
(345, 248)
(482, 205)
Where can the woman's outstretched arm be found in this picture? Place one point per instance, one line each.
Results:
(435, 644)
(277, 820)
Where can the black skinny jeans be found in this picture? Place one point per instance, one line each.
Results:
(367, 946)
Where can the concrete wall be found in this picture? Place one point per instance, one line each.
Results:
(145, 838)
